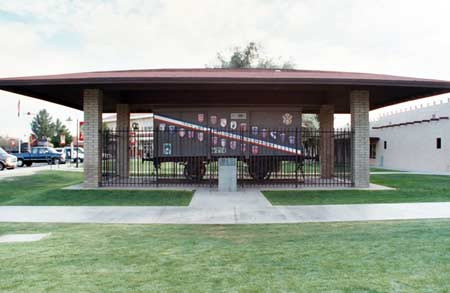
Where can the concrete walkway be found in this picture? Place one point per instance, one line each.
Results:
(207, 207)
(27, 171)
(410, 173)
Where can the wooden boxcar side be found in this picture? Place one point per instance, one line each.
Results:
(227, 131)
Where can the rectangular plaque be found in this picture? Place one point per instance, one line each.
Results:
(238, 116)
(227, 162)
(227, 174)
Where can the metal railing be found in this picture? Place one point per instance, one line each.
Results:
(177, 156)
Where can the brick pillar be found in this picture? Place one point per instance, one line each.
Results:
(326, 120)
(359, 109)
(93, 107)
(123, 126)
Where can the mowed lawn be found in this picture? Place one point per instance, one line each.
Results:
(409, 188)
(45, 189)
(407, 256)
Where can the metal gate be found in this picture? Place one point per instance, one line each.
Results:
(265, 157)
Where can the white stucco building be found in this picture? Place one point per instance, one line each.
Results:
(415, 139)
(142, 121)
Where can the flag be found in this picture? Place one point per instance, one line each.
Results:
(18, 109)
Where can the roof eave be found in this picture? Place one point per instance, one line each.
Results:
(4, 83)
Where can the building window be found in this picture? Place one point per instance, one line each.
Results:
(438, 143)
(385, 145)
(373, 151)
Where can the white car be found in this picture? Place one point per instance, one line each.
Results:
(61, 151)
(72, 154)
(7, 161)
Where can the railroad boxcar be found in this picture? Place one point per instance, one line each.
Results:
(260, 138)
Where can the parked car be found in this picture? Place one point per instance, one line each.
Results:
(7, 161)
(72, 154)
(40, 155)
(62, 152)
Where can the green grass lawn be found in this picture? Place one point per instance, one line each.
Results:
(406, 256)
(410, 188)
(45, 188)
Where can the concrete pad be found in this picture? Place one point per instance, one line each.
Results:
(246, 199)
(12, 238)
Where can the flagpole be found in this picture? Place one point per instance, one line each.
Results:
(78, 137)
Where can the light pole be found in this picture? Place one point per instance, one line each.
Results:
(77, 146)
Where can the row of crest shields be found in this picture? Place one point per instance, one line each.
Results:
(286, 118)
(223, 123)
(219, 148)
(264, 133)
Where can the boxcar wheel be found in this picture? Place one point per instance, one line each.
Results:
(259, 171)
(194, 171)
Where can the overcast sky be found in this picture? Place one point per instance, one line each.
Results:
(408, 38)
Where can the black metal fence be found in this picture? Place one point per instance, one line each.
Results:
(177, 156)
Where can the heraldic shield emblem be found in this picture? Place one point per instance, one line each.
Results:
(172, 129)
(255, 130)
(181, 132)
(287, 119)
(223, 122)
(254, 149)
(243, 126)
(292, 139)
(264, 132)
(200, 117)
(200, 136)
(213, 119)
(273, 135)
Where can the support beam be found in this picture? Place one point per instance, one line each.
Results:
(359, 109)
(326, 120)
(123, 127)
(93, 106)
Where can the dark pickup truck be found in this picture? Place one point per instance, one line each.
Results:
(39, 155)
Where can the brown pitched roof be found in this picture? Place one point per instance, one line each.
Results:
(202, 86)
(206, 74)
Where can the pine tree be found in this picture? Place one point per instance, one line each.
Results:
(42, 125)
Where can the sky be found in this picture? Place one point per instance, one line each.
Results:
(409, 38)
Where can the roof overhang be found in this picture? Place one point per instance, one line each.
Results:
(148, 89)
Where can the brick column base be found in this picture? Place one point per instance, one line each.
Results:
(326, 120)
(359, 109)
(93, 107)
(123, 127)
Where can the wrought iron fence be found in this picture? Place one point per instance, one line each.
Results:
(178, 156)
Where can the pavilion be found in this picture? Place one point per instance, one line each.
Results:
(141, 91)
